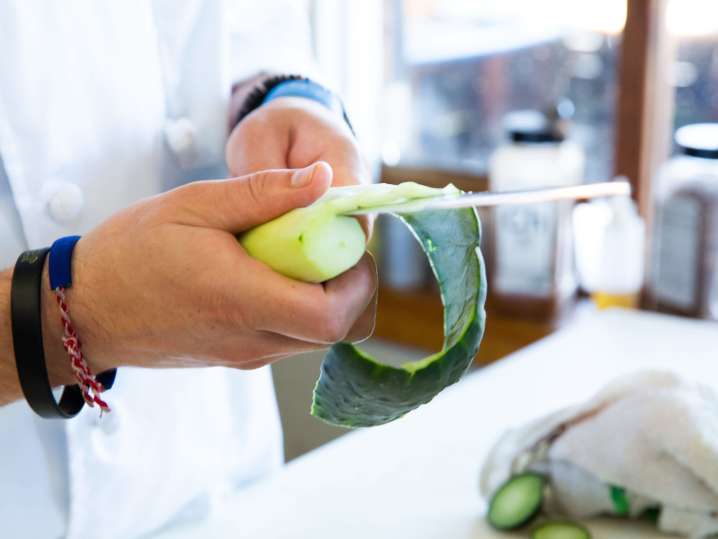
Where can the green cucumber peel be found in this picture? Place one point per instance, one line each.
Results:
(354, 389)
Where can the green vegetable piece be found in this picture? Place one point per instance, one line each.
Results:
(621, 504)
(560, 529)
(319, 242)
(355, 390)
(517, 501)
(308, 244)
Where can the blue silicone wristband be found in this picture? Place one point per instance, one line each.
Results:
(308, 89)
(304, 88)
(60, 263)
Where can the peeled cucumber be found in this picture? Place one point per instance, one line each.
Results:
(307, 244)
(320, 241)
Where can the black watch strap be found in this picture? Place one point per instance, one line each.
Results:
(26, 312)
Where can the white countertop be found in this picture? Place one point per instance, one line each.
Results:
(418, 477)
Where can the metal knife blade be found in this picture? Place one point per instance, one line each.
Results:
(496, 198)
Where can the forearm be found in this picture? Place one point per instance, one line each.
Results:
(56, 360)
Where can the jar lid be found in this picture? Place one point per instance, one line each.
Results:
(698, 140)
(535, 126)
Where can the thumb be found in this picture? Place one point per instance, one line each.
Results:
(237, 204)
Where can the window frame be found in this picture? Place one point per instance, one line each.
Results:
(644, 105)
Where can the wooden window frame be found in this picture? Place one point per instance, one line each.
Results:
(644, 111)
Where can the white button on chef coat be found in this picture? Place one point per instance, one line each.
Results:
(101, 104)
(65, 201)
(181, 136)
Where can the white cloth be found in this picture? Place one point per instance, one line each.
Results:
(101, 104)
(651, 433)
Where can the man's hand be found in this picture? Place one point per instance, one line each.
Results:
(165, 282)
(293, 132)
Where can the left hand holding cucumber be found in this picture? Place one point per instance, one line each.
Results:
(184, 293)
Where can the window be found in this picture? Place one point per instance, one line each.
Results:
(462, 65)
(693, 25)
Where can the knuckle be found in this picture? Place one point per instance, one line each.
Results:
(334, 326)
(256, 186)
(331, 332)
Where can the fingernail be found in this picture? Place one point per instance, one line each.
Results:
(304, 176)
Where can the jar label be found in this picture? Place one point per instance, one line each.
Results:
(525, 249)
(677, 252)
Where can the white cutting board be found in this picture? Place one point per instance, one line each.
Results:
(418, 477)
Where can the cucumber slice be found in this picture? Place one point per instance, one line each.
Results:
(560, 529)
(517, 501)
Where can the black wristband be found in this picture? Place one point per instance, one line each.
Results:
(259, 93)
(26, 312)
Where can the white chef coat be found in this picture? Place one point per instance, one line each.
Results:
(101, 104)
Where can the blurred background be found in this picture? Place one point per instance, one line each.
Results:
(515, 94)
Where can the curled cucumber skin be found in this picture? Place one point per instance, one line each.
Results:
(356, 390)
(321, 241)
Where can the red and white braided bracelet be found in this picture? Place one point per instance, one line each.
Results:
(90, 386)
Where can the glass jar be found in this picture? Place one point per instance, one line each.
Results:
(684, 275)
(532, 271)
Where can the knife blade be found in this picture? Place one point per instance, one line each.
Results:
(503, 198)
